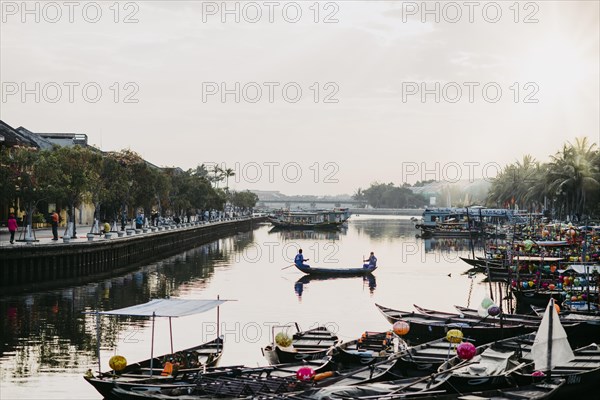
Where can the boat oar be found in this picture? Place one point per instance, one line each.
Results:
(287, 266)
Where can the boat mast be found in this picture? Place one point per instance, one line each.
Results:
(98, 340)
(550, 329)
(152, 345)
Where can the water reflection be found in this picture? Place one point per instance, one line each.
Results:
(369, 281)
(49, 332)
(383, 228)
(453, 244)
(286, 234)
(45, 337)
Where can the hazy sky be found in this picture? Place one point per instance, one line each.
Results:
(509, 80)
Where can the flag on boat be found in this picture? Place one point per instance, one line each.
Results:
(551, 346)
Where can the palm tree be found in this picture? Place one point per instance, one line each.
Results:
(228, 172)
(217, 174)
(573, 175)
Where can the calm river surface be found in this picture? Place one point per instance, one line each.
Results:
(47, 342)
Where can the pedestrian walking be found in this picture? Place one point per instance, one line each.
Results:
(55, 220)
(12, 227)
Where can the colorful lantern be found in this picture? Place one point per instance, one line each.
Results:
(538, 373)
(401, 328)
(454, 336)
(494, 311)
(117, 363)
(305, 374)
(466, 351)
(283, 339)
(551, 286)
(557, 308)
(531, 283)
(487, 303)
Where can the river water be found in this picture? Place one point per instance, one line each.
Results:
(48, 342)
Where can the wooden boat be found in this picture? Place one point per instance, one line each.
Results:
(489, 369)
(191, 361)
(534, 353)
(185, 363)
(336, 271)
(424, 359)
(310, 220)
(230, 382)
(579, 331)
(469, 314)
(424, 328)
(312, 344)
(428, 389)
(370, 348)
(481, 264)
(581, 375)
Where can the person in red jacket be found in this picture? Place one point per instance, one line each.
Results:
(12, 227)
(55, 221)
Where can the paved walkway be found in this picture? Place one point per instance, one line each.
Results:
(44, 236)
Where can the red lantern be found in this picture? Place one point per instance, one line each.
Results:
(466, 351)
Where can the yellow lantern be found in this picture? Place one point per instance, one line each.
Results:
(117, 363)
(454, 336)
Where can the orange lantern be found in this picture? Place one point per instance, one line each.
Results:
(401, 328)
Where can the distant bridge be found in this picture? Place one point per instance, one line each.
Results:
(356, 207)
(309, 202)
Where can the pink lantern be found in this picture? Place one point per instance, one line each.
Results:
(305, 374)
(466, 351)
(538, 373)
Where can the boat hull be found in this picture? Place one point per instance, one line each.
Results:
(336, 271)
(208, 354)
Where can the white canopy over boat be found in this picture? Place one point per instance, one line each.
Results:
(167, 308)
(582, 269)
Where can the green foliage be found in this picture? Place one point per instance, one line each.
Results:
(381, 195)
(570, 182)
(114, 181)
(245, 200)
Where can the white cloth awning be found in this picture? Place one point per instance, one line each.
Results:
(166, 308)
(582, 269)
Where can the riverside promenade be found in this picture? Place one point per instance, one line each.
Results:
(46, 264)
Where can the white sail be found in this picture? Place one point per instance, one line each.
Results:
(561, 351)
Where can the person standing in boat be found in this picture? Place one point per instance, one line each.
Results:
(371, 262)
(299, 260)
